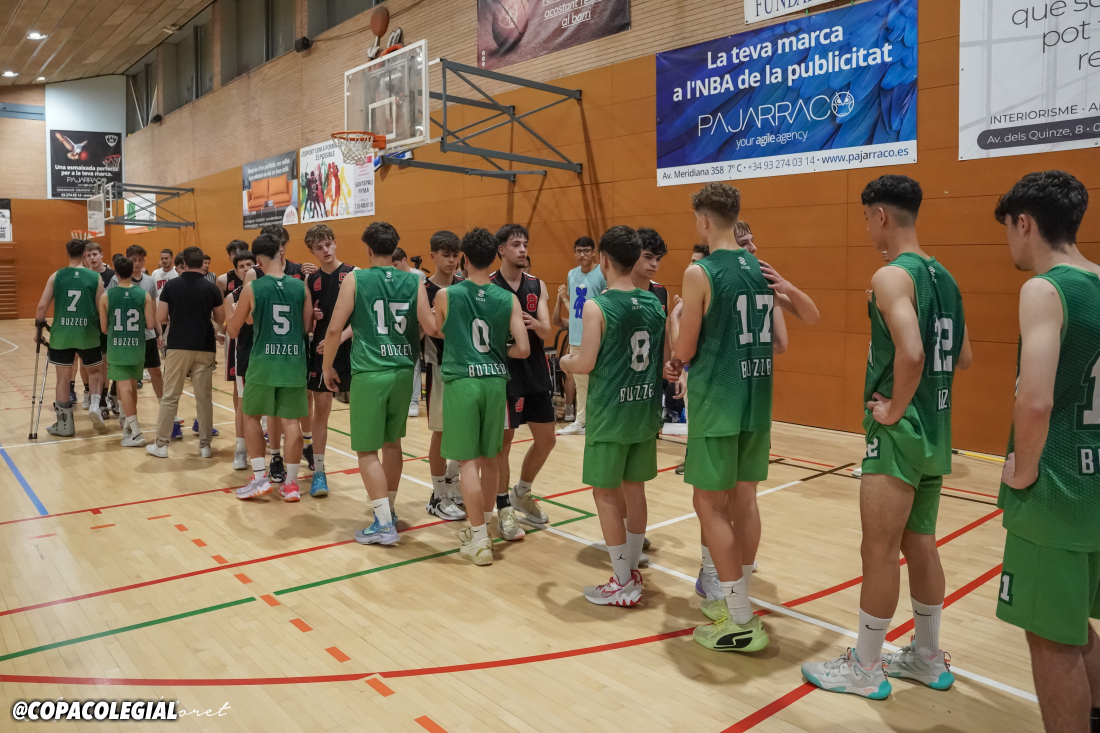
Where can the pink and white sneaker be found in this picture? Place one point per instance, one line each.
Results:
(289, 491)
(612, 593)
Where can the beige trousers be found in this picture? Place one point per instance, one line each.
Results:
(582, 395)
(178, 365)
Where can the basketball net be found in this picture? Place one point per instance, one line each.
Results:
(357, 146)
(82, 234)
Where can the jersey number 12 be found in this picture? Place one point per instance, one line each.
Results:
(132, 316)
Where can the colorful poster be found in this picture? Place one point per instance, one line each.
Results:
(831, 91)
(140, 207)
(330, 189)
(269, 191)
(79, 159)
(1029, 77)
(5, 220)
(510, 31)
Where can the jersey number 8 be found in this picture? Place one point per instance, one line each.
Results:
(639, 351)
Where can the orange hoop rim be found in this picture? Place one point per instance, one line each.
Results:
(376, 141)
(85, 234)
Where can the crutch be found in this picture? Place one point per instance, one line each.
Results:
(38, 396)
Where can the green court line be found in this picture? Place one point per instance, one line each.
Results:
(133, 627)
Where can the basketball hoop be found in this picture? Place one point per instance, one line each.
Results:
(356, 146)
(83, 234)
(112, 162)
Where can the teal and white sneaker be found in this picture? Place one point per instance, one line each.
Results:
(846, 674)
(378, 534)
(907, 664)
(318, 485)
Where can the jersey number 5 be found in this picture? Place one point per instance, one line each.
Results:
(282, 323)
(397, 310)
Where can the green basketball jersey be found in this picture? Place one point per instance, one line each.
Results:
(75, 311)
(278, 356)
(476, 331)
(126, 325)
(624, 388)
(1062, 508)
(942, 325)
(730, 381)
(384, 325)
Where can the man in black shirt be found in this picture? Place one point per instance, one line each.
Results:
(193, 306)
(235, 365)
(529, 389)
(324, 287)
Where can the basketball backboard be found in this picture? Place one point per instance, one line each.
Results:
(389, 96)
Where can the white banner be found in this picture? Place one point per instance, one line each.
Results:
(5, 220)
(330, 189)
(142, 207)
(1029, 79)
(758, 10)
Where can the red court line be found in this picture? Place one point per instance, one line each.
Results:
(338, 655)
(770, 709)
(301, 625)
(965, 590)
(968, 491)
(159, 516)
(430, 725)
(380, 687)
(40, 536)
(102, 526)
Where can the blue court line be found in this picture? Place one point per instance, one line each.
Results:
(23, 482)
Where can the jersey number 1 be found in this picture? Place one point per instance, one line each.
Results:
(1089, 412)
(397, 310)
(763, 300)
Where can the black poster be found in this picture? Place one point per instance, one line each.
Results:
(510, 31)
(79, 159)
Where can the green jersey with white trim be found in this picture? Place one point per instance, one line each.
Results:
(477, 331)
(278, 356)
(126, 325)
(385, 331)
(75, 311)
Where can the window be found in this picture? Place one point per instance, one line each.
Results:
(140, 93)
(253, 33)
(188, 58)
(325, 14)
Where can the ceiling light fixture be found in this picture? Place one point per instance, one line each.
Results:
(10, 74)
(35, 36)
(170, 28)
(41, 78)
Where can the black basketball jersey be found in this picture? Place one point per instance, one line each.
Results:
(433, 347)
(662, 294)
(531, 374)
(243, 340)
(324, 288)
(290, 269)
(232, 282)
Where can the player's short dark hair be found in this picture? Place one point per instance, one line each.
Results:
(480, 247)
(235, 246)
(205, 257)
(116, 259)
(243, 255)
(381, 238)
(622, 245)
(193, 257)
(179, 260)
(266, 245)
(901, 192)
(135, 250)
(508, 231)
(93, 247)
(124, 268)
(75, 248)
(398, 255)
(166, 250)
(703, 249)
(278, 231)
(319, 233)
(1054, 199)
(652, 242)
(720, 200)
(446, 241)
(583, 242)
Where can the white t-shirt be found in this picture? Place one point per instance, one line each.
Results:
(160, 277)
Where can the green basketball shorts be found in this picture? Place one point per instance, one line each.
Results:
(379, 408)
(474, 411)
(262, 399)
(123, 372)
(1049, 591)
(892, 453)
(608, 465)
(717, 464)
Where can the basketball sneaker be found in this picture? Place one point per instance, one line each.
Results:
(307, 456)
(507, 525)
(857, 472)
(131, 440)
(679, 470)
(318, 485)
(846, 674)
(378, 534)
(72, 392)
(290, 492)
(277, 469)
(570, 415)
(574, 428)
(177, 431)
(97, 417)
(86, 400)
(480, 552)
(532, 512)
(195, 429)
(414, 409)
(454, 493)
(444, 508)
(726, 636)
(709, 586)
(240, 460)
(256, 487)
(205, 451)
(160, 451)
(612, 593)
(715, 608)
(906, 663)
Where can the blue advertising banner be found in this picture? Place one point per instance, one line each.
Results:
(831, 91)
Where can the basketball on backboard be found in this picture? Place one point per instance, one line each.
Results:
(509, 22)
(380, 21)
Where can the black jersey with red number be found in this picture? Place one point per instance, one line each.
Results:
(324, 288)
(433, 347)
(531, 374)
(290, 269)
(232, 282)
(662, 294)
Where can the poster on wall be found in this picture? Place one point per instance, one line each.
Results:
(269, 191)
(5, 220)
(330, 189)
(1029, 77)
(758, 10)
(832, 91)
(80, 159)
(510, 31)
(140, 207)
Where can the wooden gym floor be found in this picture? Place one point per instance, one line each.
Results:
(124, 577)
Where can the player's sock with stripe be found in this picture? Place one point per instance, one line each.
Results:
(391, 496)
(737, 601)
(634, 548)
(708, 563)
(319, 461)
(259, 467)
(503, 502)
(382, 512)
(276, 453)
(292, 473)
(307, 439)
(620, 561)
(439, 486)
(746, 574)
(926, 623)
(872, 635)
(523, 487)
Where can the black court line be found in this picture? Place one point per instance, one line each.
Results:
(819, 474)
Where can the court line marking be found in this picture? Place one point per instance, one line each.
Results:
(13, 346)
(90, 437)
(42, 510)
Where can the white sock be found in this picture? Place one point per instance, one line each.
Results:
(453, 469)
(488, 518)
(872, 635)
(620, 562)
(634, 548)
(132, 421)
(259, 467)
(481, 533)
(737, 601)
(240, 444)
(523, 487)
(382, 511)
(439, 486)
(292, 473)
(391, 496)
(276, 452)
(746, 574)
(926, 620)
(319, 462)
(708, 563)
(93, 404)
